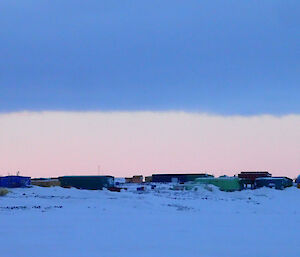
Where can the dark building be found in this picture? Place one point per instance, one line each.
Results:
(15, 181)
(273, 182)
(249, 177)
(298, 180)
(177, 178)
(252, 175)
(87, 182)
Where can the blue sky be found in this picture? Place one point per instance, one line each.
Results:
(225, 57)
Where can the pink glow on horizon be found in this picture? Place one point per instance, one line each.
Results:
(126, 143)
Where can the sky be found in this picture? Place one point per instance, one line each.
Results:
(116, 59)
(129, 143)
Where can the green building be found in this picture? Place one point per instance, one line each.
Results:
(228, 184)
(87, 182)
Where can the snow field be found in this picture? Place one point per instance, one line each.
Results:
(50, 222)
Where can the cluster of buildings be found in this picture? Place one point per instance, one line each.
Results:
(244, 180)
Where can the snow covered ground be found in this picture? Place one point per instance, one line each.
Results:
(50, 222)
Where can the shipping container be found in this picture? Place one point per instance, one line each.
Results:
(274, 182)
(148, 179)
(87, 182)
(252, 175)
(228, 184)
(15, 181)
(138, 179)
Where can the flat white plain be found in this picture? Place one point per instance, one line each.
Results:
(60, 222)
